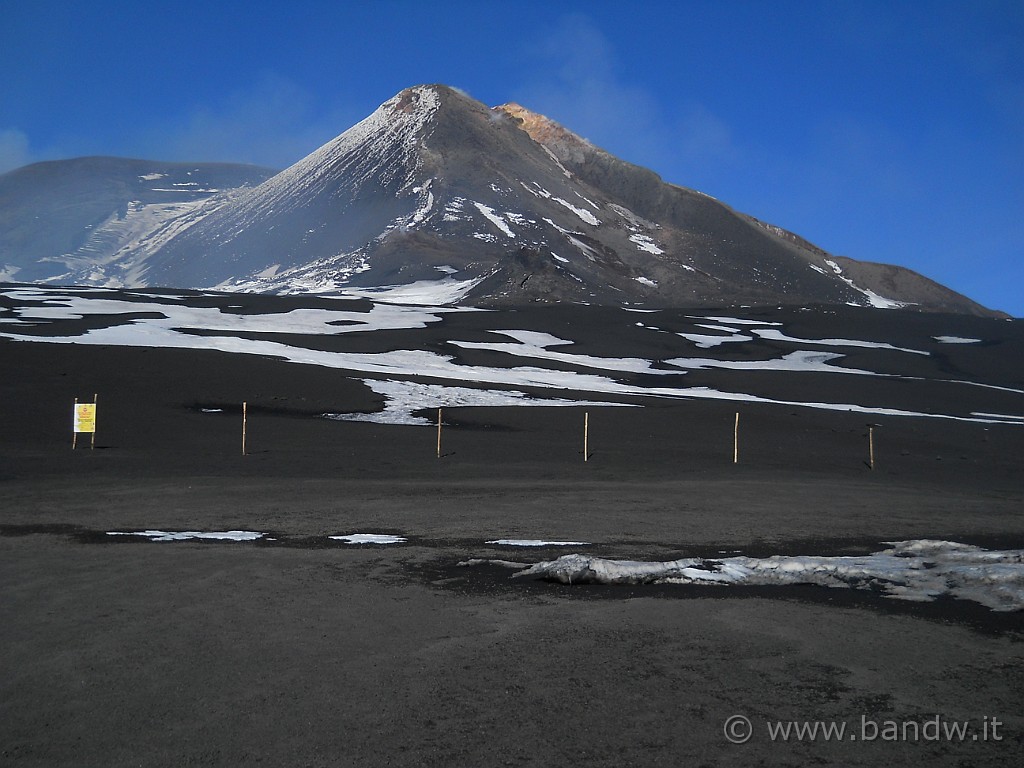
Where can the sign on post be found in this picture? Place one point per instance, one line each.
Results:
(85, 417)
(84, 421)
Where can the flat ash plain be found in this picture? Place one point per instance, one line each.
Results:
(298, 649)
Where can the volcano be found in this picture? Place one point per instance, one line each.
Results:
(437, 198)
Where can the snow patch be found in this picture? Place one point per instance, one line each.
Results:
(186, 535)
(370, 538)
(645, 243)
(403, 399)
(733, 320)
(706, 341)
(535, 338)
(536, 543)
(518, 218)
(453, 210)
(585, 249)
(804, 361)
(586, 216)
(917, 570)
(1009, 418)
(536, 345)
(776, 335)
(270, 271)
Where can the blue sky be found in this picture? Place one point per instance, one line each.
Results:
(886, 131)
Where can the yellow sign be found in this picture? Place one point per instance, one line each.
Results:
(85, 417)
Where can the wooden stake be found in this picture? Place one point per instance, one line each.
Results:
(586, 435)
(439, 433)
(736, 440)
(871, 446)
(245, 418)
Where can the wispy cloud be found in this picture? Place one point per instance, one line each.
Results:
(14, 149)
(576, 81)
(274, 123)
(703, 136)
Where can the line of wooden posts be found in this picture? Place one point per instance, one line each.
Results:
(84, 421)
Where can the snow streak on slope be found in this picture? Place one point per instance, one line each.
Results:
(115, 253)
(586, 216)
(491, 215)
(873, 298)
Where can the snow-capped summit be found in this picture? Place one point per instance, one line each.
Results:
(435, 194)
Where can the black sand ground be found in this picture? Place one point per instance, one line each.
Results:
(307, 652)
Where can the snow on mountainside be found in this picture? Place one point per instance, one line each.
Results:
(436, 195)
